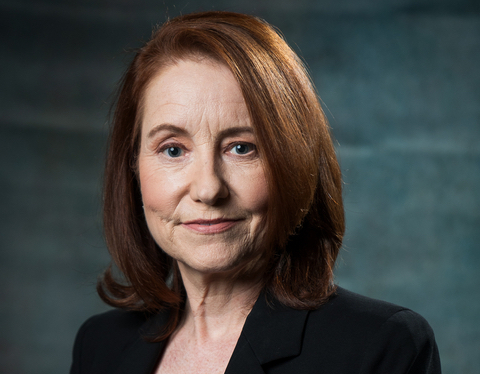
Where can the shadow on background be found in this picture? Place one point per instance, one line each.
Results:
(401, 86)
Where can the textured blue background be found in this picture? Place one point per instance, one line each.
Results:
(400, 81)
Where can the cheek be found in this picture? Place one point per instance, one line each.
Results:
(158, 195)
(255, 194)
(157, 189)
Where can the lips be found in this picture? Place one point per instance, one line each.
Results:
(214, 226)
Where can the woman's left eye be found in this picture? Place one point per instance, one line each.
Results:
(173, 152)
(242, 149)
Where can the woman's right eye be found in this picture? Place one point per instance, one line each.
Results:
(173, 152)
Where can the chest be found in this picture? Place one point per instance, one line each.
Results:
(182, 355)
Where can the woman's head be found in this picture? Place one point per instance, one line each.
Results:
(304, 220)
(202, 180)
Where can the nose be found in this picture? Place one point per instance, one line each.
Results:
(208, 184)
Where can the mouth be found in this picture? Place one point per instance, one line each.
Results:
(210, 226)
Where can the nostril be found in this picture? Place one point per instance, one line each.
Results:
(208, 188)
(209, 194)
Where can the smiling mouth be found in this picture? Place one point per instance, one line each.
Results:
(215, 226)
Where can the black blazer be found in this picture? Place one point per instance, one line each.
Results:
(349, 334)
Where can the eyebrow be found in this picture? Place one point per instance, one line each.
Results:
(168, 127)
(231, 131)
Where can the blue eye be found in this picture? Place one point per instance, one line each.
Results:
(242, 149)
(173, 152)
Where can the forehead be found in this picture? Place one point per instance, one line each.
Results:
(203, 79)
(193, 91)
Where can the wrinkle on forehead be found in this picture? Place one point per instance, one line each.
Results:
(202, 64)
(174, 96)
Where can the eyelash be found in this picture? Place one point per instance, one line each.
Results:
(165, 147)
(252, 147)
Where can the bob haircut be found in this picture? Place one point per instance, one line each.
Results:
(305, 218)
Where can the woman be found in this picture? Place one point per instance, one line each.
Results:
(223, 214)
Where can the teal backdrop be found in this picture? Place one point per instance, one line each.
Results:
(400, 83)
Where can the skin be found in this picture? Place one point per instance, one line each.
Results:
(205, 200)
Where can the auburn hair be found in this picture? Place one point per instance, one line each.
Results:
(305, 218)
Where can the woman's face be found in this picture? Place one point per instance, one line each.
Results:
(203, 184)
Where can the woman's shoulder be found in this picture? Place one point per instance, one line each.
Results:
(114, 320)
(366, 309)
(374, 333)
(104, 338)
(348, 312)
(119, 326)
(348, 334)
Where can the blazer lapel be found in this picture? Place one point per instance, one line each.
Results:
(244, 359)
(272, 331)
(142, 357)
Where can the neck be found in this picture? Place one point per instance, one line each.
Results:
(217, 306)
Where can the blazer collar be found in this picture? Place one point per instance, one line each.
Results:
(271, 332)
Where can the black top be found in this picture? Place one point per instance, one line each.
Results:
(348, 334)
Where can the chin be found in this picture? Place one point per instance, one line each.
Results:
(245, 263)
(210, 264)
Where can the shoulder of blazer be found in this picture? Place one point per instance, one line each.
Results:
(348, 334)
(373, 336)
(112, 341)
